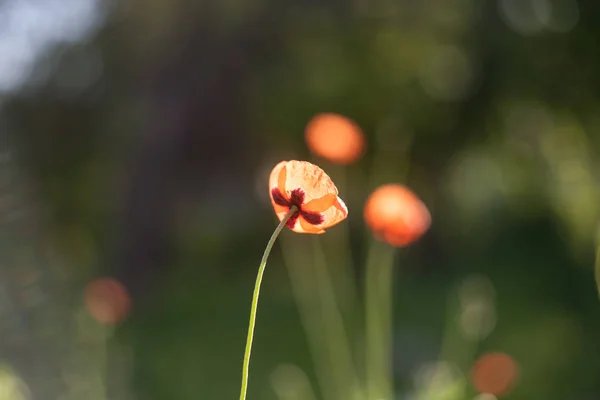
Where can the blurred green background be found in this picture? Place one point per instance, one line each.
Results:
(137, 140)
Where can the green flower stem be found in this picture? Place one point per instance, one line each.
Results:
(253, 309)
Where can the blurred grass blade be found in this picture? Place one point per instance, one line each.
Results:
(321, 320)
(297, 260)
(333, 324)
(597, 267)
(456, 348)
(291, 383)
(336, 245)
(379, 326)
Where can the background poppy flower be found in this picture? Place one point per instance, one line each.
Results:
(308, 187)
(396, 215)
(495, 373)
(335, 138)
(106, 299)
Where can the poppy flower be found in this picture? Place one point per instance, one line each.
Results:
(495, 373)
(396, 215)
(106, 299)
(306, 201)
(310, 189)
(335, 138)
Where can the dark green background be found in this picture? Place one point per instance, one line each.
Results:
(156, 173)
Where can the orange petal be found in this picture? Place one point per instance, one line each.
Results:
(307, 227)
(320, 205)
(280, 211)
(399, 235)
(274, 177)
(302, 226)
(281, 180)
(313, 181)
(334, 214)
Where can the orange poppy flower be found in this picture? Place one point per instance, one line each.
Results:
(106, 299)
(495, 373)
(335, 138)
(396, 215)
(308, 187)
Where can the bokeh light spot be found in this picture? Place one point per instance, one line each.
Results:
(290, 382)
(439, 380)
(525, 122)
(476, 181)
(335, 138)
(523, 16)
(565, 16)
(495, 373)
(529, 17)
(11, 386)
(107, 301)
(447, 74)
(29, 28)
(478, 314)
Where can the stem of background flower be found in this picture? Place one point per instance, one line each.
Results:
(254, 307)
(387, 165)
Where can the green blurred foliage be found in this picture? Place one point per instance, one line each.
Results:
(488, 110)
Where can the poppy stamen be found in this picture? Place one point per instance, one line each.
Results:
(297, 197)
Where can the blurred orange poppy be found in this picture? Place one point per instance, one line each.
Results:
(106, 299)
(335, 138)
(308, 187)
(495, 373)
(396, 215)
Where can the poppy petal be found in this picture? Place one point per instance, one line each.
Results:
(300, 225)
(311, 179)
(399, 236)
(281, 180)
(334, 214)
(274, 177)
(307, 227)
(321, 204)
(280, 211)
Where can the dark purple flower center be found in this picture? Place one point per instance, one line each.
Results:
(296, 199)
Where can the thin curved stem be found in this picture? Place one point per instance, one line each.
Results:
(253, 309)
